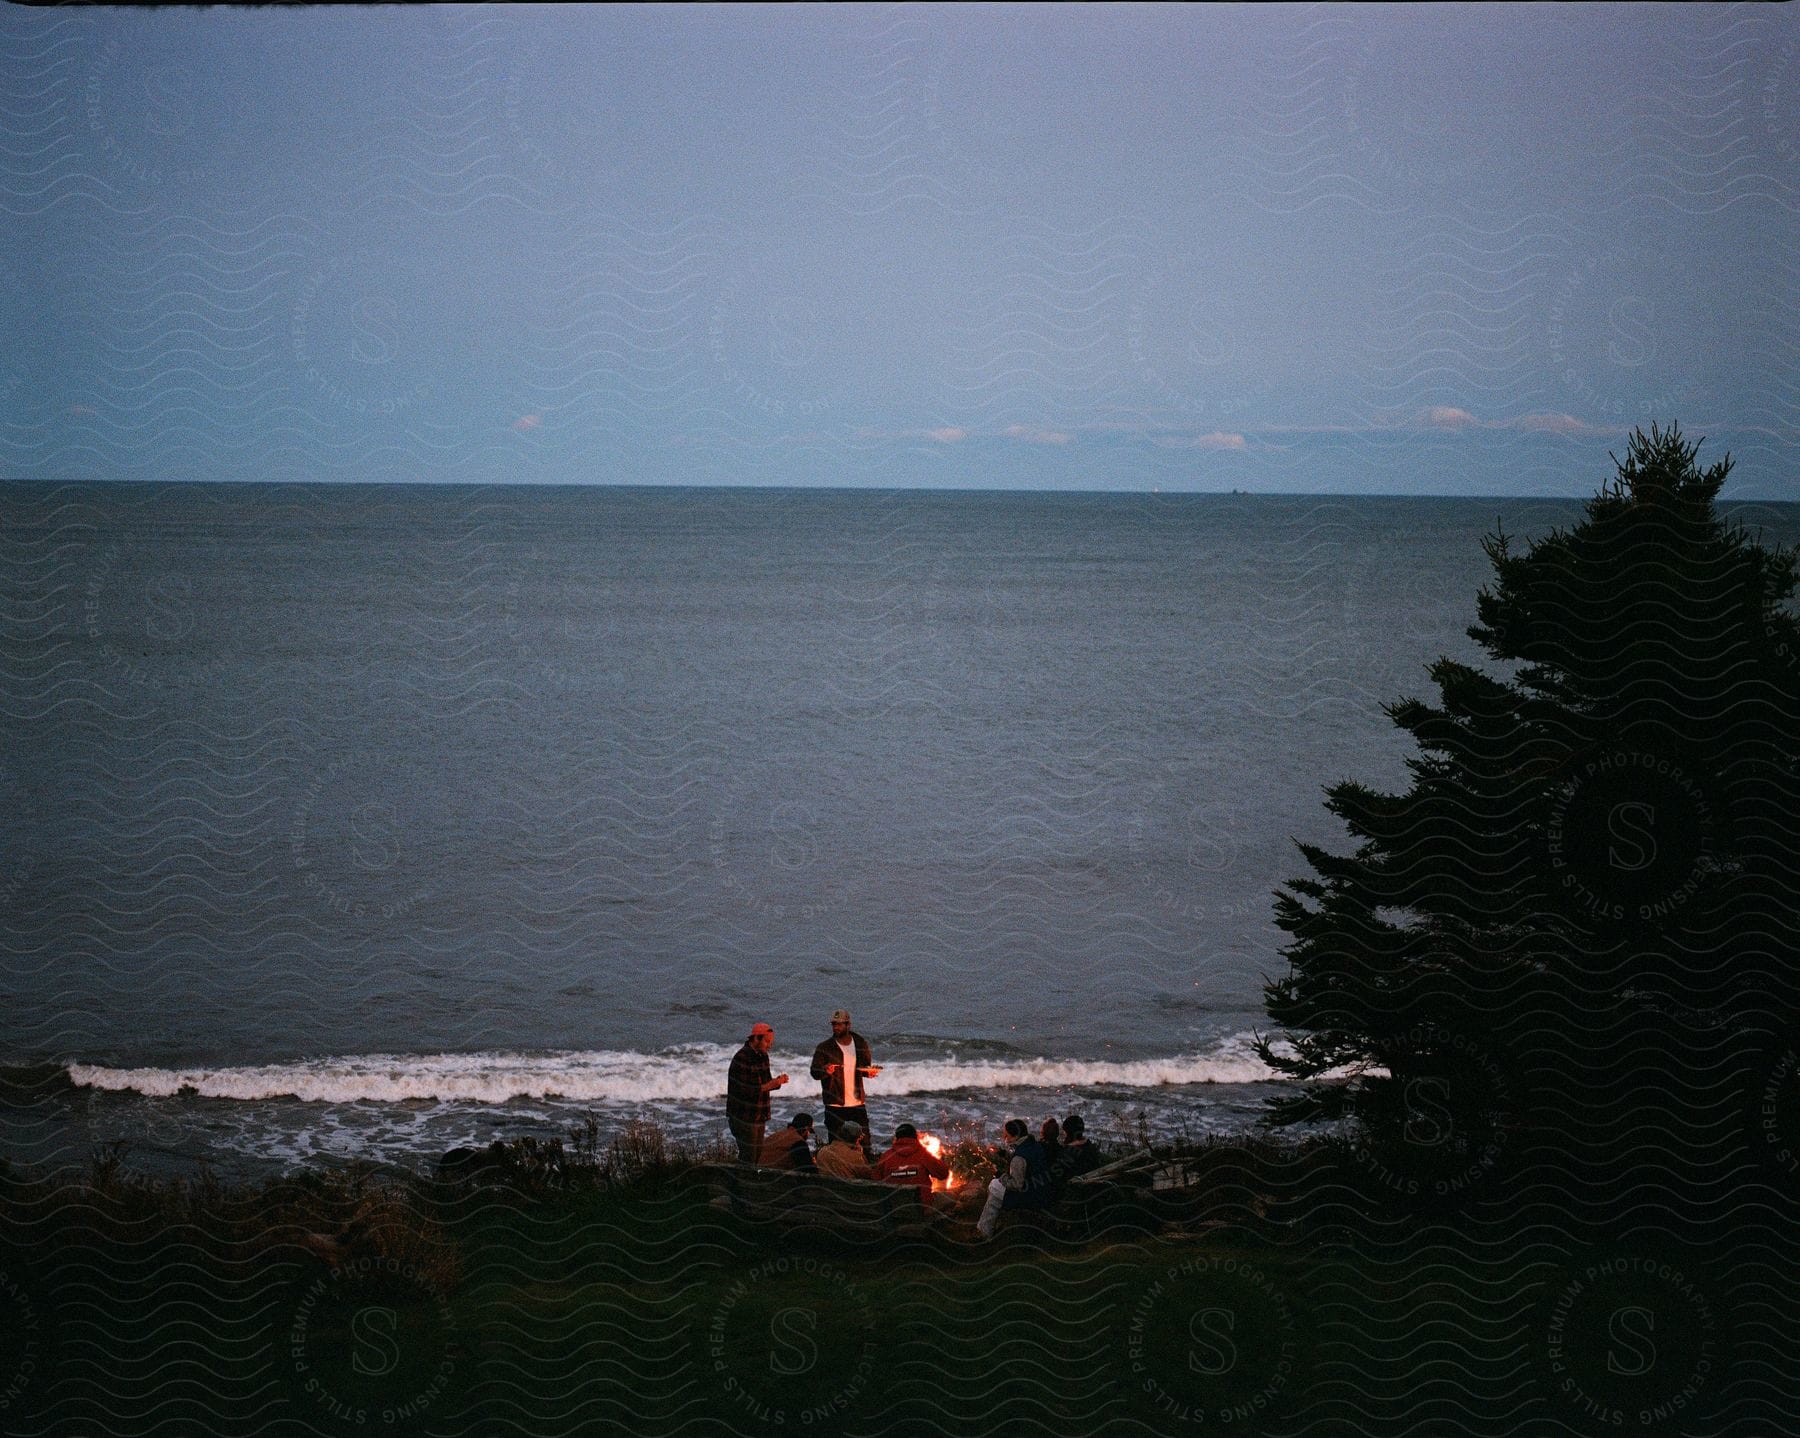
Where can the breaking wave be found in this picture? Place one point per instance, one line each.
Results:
(690, 1072)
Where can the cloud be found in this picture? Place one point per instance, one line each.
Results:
(947, 435)
(1446, 416)
(83, 409)
(1555, 424)
(1217, 440)
(1032, 435)
(527, 421)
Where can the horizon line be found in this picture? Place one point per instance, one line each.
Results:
(829, 488)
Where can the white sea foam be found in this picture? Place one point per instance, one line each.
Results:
(693, 1072)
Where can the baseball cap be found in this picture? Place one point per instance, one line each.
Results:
(841, 1016)
(851, 1130)
(756, 1029)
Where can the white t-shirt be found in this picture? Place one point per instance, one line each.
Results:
(847, 1071)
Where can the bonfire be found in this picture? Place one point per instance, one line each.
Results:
(934, 1146)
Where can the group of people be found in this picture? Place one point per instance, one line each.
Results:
(1033, 1170)
(1037, 1169)
(840, 1063)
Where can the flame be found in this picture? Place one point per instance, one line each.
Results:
(934, 1146)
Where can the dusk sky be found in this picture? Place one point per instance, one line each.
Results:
(1427, 249)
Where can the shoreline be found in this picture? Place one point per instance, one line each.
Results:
(261, 1137)
(405, 1109)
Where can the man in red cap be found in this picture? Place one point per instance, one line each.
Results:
(747, 1090)
(840, 1064)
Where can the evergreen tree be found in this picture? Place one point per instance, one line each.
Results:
(1596, 859)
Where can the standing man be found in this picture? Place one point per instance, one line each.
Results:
(747, 1091)
(840, 1064)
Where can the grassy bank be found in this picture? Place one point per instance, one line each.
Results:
(570, 1289)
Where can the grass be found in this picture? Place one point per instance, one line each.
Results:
(578, 1287)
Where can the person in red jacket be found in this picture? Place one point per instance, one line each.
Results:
(909, 1161)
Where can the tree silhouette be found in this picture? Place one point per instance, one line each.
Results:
(1595, 866)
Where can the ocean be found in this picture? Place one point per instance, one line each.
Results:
(357, 822)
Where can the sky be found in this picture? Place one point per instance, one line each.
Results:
(1335, 249)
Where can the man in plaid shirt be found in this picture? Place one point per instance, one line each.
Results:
(747, 1091)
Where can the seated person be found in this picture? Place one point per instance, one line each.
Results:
(909, 1161)
(843, 1156)
(1024, 1180)
(788, 1147)
(1075, 1155)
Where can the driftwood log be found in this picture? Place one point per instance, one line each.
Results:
(1134, 1167)
(839, 1205)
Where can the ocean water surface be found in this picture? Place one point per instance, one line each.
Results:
(360, 821)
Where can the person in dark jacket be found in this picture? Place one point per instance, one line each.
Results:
(840, 1064)
(1024, 1182)
(788, 1148)
(909, 1161)
(1075, 1156)
(747, 1090)
(1050, 1136)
